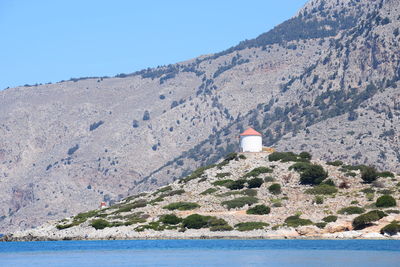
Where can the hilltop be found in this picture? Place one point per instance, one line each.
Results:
(248, 195)
(325, 81)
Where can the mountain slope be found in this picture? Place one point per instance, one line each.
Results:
(94, 139)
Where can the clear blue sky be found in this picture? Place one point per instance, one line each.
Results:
(48, 41)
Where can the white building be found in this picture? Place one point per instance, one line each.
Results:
(250, 141)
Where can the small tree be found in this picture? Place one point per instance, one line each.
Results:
(313, 175)
(275, 189)
(369, 174)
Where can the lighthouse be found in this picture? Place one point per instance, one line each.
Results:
(250, 141)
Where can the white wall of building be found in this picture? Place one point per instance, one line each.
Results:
(251, 143)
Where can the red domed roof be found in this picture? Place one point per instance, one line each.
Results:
(250, 131)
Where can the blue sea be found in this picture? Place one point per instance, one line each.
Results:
(202, 253)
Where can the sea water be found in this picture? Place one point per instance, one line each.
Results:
(202, 253)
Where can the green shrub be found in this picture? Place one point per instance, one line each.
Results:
(351, 210)
(209, 191)
(240, 202)
(195, 221)
(236, 185)
(305, 156)
(319, 200)
(275, 189)
(196, 174)
(250, 192)
(350, 174)
(391, 229)
(100, 224)
(218, 224)
(322, 189)
(283, 156)
(223, 174)
(182, 206)
(257, 171)
(366, 219)
(241, 156)
(228, 158)
(369, 174)
(162, 190)
(170, 219)
(128, 207)
(321, 225)
(300, 166)
(329, 182)
(313, 175)
(331, 218)
(336, 163)
(255, 182)
(249, 226)
(393, 211)
(385, 201)
(173, 193)
(386, 174)
(368, 191)
(259, 210)
(226, 182)
(296, 221)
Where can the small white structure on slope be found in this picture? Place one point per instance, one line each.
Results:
(250, 141)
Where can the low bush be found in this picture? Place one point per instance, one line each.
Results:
(130, 206)
(249, 226)
(240, 202)
(299, 166)
(351, 210)
(259, 210)
(305, 156)
(369, 174)
(322, 189)
(275, 189)
(236, 185)
(319, 200)
(392, 228)
(209, 191)
(328, 182)
(366, 219)
(181, 206)
(249, 192)
(313, 175)
(228, 158)
(385, 201)
(336, 163)
(296, 221)
(196, 174)
(223, 174)
(195, 221)
(283, 156)
(255, 183)
(257, 171)
(162, 190)
(226, 182)
(173, 193)
(321, 225)
(386, 174)
(331, 218)
(100, 224)
(170, 219)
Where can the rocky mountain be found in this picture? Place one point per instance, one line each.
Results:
(247, 195)
(324, 81)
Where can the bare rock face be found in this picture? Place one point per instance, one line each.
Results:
(324, 81)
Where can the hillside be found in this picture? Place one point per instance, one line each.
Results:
(248, 195)
(325, 81)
